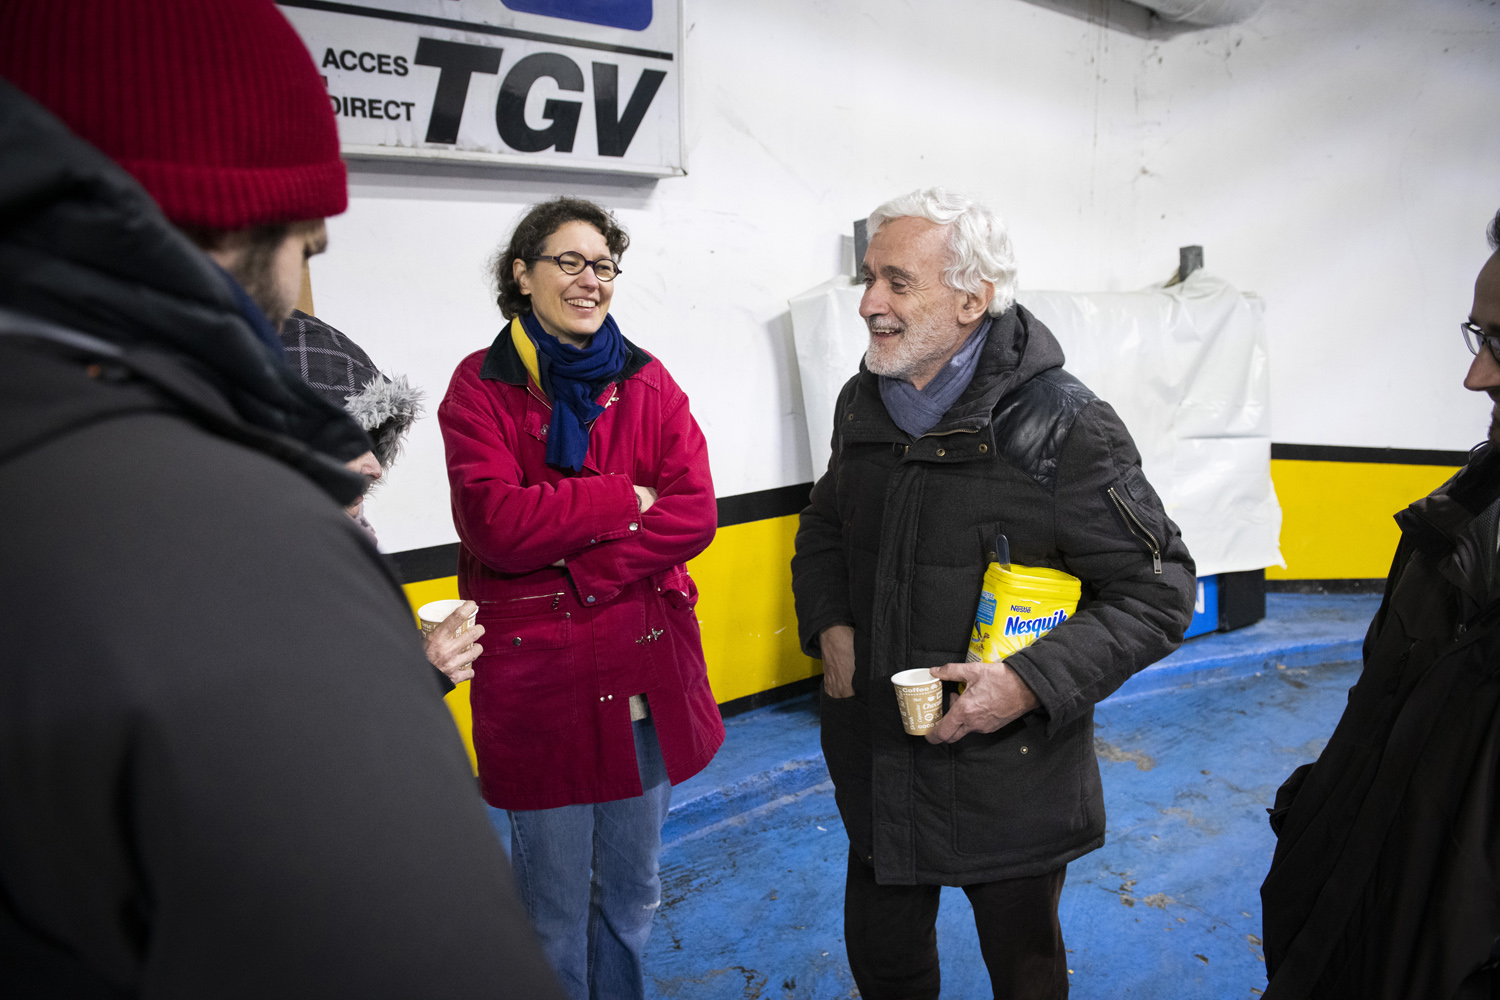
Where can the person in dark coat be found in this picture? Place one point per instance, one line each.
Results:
(385, 407)
(341, 372)
(224, 767)
(960, 430)
(1384, 880)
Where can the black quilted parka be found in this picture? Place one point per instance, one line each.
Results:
(895, 542)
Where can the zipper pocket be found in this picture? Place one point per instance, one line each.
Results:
(556, 599)
(1137, 529)
(535, 394)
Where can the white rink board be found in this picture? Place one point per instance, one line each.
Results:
(1186, 368)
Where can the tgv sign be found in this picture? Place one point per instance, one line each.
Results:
(542, 83)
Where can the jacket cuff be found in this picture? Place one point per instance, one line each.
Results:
(812, 637)
(616, 510)
(594, 571)
(595, 575)
(1052, 703)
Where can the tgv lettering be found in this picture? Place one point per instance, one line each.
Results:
(1016, 625)
(457, 62)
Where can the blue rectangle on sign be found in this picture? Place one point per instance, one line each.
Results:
(1206, 609)
(633, 15)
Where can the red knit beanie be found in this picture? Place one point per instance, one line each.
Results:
(213, 105)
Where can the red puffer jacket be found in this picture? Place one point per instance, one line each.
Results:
(565, 648)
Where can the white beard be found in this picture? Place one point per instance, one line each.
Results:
(917, 349)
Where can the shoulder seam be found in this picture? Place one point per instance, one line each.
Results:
(1051, 422)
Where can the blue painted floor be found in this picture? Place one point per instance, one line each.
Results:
(1299, 630)
(1192, 751)
(1169, 908)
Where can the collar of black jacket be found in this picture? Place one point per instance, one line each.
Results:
(503, 363)
(1457, 526)
(1019, 348)
(85, 249)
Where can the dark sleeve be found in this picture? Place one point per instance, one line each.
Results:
(1138, 579)
(820, 576)
(227, 772)
(1392, 578)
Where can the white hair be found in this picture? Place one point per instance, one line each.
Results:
(978, 242)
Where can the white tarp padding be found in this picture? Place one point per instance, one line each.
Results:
(1186, 368)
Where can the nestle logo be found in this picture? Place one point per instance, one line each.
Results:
(1025, 609)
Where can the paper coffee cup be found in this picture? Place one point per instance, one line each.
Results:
(920, 698)
(435, 613)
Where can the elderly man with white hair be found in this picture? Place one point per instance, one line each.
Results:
(961, 442)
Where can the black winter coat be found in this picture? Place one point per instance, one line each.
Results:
(896, 541)
(224, 766)
(1386, 878)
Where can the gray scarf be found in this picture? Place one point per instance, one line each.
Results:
(917, 411)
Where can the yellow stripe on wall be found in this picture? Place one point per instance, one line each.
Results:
(1336, 517)
(446, 589)
(744, 607)
(1336, 524)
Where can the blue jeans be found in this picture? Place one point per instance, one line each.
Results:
(587, 875)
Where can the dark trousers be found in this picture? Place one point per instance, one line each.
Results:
(890, 932)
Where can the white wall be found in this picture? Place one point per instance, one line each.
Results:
(1340, 161)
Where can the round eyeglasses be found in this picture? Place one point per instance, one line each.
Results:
(1475, 337)
(574, 263)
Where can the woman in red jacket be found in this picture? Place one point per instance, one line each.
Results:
(580, 487)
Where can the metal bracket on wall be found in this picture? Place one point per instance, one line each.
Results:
(1189, 259)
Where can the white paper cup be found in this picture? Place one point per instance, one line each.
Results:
(435, 613)
(920, 698)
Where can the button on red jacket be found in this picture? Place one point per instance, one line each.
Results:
(565, 648)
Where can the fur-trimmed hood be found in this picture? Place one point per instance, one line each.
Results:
(386, 408)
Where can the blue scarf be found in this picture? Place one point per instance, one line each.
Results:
(917, 411)
(577, 376)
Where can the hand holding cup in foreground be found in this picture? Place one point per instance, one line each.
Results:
(453, 649)
(995, 696)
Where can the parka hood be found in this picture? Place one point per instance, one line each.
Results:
(1457, 526)
(1017, 350)
(89, 265)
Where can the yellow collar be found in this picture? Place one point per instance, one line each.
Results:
(526, 349)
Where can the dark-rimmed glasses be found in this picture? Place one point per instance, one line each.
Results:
(574, 263)
(1474, 337)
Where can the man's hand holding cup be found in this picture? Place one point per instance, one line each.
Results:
(994, 696)
(451, 646)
